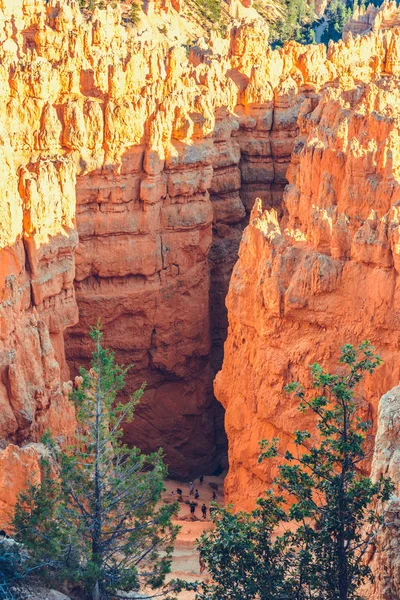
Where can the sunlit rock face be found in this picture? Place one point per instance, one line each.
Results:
(130, 164)
(373, 19)
(111, 137)
(326, 272)
(37, 294)
(129, 167)
(37, 303)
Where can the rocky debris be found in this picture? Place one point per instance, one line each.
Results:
(44, 594)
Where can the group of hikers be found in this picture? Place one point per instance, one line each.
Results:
(195, 493)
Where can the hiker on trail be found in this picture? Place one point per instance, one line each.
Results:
(201, 479)
(191, 488)
(179, 491)
(192, 507)
(214, 496)
(197, 495)
(204, 510)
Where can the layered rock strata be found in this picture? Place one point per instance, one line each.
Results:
(325, 272)
(37, 303)
(129, 163)
(37, 293)
(141, 150)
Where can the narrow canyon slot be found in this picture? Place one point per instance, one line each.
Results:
(217, 187)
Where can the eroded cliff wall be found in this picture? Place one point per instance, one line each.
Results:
(129, 162)
(326, 272)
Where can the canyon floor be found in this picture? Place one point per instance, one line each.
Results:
(185, 564)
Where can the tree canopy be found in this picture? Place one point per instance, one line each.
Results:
(95, 519)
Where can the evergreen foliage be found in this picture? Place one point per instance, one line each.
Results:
(210, 9)
(336, 510)
(133, 12)
(11, 570)
(337, 14)
(39, 521)
(296, 24)
(242, 557)
(94, 519)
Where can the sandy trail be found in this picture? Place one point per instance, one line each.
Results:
(185, 564)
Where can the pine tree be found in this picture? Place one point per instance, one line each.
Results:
(296, 25)
(337, 506)
(98, 523)
(336, 510)
(11, 570)
(244, 560)
(39, 525)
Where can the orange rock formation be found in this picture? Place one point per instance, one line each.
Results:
(385, 561)
(373, 18)
(19, 467)
(121, 141)
(129, 164)
(326, 272)
(150, 147)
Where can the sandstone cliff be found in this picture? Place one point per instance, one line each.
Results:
(148, 155)
(129, 164)
(385, 561)
(326, 271)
